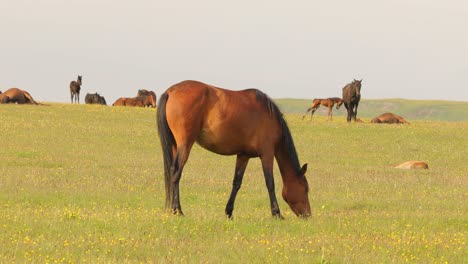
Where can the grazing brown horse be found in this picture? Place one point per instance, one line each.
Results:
(389, 118)
(329, 102)
(245, 123)
(15, 95)
(351, 98)
(95, 98)
(144, 92)
(75, 87)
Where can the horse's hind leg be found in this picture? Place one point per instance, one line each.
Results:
(241, 164)
(308, 110)
(180, 159)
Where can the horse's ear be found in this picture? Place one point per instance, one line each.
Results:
(303, 169)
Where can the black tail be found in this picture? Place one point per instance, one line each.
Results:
(167, 142)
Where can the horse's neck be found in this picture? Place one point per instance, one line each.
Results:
(285, 163)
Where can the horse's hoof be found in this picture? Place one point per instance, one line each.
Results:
(177, 212)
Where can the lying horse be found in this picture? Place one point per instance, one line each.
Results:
(389, 118)
(95, 98)
(139, 101)
(329, 102)
(127, 101)
(15, 95)
(413, 165)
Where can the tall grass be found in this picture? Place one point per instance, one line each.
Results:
(82, 183)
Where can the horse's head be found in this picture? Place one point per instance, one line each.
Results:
(102, 100)
(357, 85)
(79, 79)
(339, 102)
(295, 193)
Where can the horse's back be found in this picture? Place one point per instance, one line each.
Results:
(220, 120)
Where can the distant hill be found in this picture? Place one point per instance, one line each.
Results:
(369, 108)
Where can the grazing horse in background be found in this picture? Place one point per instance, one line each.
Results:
(329, 102)
(245, 123)
(351, 98)
(148, 100)
(144, 92)
(75, 87)
(95, 98)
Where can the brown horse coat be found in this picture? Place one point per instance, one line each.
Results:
(152, 101)
(389, 118)
(329, 103)
(244, 123)
(15, 95)
(412, 164)
(126, 101)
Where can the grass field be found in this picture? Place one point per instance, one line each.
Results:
(82, 183)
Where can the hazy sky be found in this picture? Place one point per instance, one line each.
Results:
(415, 49)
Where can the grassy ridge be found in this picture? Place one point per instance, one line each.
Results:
(82, 183)
(410, 109)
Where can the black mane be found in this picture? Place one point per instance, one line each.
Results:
(287, 139)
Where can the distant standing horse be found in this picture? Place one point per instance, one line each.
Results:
(75, 87)
(329, 102)
(351, 98)
(244, 123)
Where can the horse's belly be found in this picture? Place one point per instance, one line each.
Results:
(225, 143)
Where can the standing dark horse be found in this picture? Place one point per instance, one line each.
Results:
(351, 98)
(75, 87)
(244, 123)
(329, 102)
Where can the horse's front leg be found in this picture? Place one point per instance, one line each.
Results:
(241, 164)
(355, 112)
(267, 164)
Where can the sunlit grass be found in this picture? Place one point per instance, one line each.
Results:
(84, 183)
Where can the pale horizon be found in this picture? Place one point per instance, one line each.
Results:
(298, 49)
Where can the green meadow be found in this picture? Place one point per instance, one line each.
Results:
(84, 184)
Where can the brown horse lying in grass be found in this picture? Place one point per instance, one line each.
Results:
(139, 101)
(413, 165)
(389, 118)
(15, 95)
(329, 102)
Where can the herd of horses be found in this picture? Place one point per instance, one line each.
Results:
(244, 123)
(351, 97)
(144, 97)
